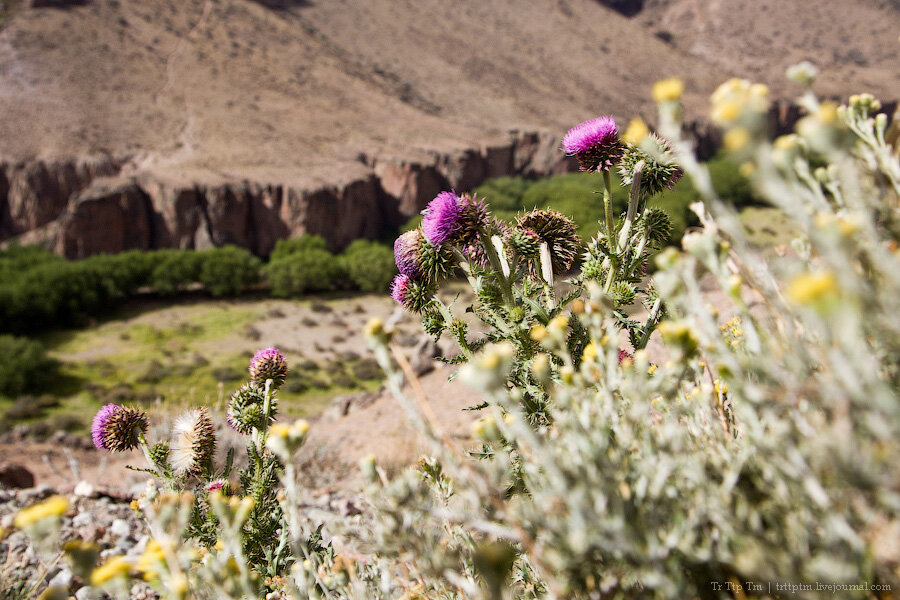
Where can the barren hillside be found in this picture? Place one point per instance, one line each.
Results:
(197, 122)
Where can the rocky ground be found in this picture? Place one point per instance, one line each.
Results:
(100, 486)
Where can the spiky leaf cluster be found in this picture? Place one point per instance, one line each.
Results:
(433, 322)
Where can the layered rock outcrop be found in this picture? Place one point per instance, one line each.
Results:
(91, 206)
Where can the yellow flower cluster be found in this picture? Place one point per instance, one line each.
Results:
(732, 331)
(151, 562)
(738, 100)
(54, 506)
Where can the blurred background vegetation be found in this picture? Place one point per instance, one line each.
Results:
(55, 313)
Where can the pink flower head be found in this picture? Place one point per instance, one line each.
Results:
(268, 363)
(624, 354)
(595, 143)
(98, 427)
(406, 253)
(400, 289)
(442, 218)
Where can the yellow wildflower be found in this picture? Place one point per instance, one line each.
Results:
(668, 90)
(538, 333)
(54, 506)
(735, 139)
(590, 353)
(117, 566)
(812, 287)
(636, 131)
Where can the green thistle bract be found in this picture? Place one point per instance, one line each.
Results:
(435, 262)
(658, 224)
(246, 409)
(524, 242)
(659, 173)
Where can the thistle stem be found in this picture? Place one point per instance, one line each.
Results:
(497, 266)
(607, 205)
(633, 200)
(651, 324)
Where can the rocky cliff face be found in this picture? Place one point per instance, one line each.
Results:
(88, 206)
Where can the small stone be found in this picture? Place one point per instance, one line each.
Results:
(120, 528)
(84, 489)
(61, 579)
(83, 519)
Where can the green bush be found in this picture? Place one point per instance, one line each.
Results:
(297, 244)
(229, 270)
(576, 195)
(175, 270)
(24, 365)
(369, 265)
(504, 195)
(732, 187)
(301, 272)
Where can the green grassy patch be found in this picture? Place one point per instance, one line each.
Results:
(767, 226)
(172, 355)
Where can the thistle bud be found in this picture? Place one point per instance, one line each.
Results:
(246, 409)
(413, 295)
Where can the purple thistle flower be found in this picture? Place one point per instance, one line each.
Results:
(442, 218)
(595, 143)
(625, 354)
(406, 253)
(117, 429)
(268, 363)
(98, 427)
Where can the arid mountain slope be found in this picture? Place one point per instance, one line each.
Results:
(196, 122)
(854, 42)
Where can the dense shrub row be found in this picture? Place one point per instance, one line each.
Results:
(39, 289)
(575, 194)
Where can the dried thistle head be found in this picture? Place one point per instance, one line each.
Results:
(193, 442)
(557, 231)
